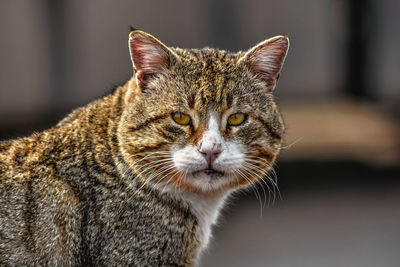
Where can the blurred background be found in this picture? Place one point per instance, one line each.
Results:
(339, 92)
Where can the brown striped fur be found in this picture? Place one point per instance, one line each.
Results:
(70, 196)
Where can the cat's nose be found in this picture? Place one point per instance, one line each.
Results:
(210, 150)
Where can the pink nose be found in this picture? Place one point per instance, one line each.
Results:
(210, 151)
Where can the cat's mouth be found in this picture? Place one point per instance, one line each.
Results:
(209, 172)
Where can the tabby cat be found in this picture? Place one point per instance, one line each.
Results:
(138, 177)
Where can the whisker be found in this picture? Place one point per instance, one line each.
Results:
(146, 181)
(150, 165)
(254, 184)
(255, 191)
(264, 174)
(293, 143)
(263, 162)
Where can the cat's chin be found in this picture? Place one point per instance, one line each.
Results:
(207, 180)
(208, 175)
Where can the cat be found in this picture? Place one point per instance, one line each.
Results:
(138, 177)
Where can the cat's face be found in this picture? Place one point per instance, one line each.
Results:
(202, 120)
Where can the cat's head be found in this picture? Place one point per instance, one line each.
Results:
(201, 120)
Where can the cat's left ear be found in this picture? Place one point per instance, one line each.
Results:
(150, 57)
(266, 59)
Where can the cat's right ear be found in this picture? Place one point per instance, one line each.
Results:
(150, 57)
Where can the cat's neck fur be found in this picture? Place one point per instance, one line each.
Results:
(206, 208)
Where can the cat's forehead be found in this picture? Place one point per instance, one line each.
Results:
(208, 60)
(212, 78)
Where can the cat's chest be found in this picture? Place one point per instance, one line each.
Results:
(206, 209)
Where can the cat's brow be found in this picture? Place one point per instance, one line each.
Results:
(229, 100)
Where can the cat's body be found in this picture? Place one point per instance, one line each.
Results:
(127, 181)
(70, 217)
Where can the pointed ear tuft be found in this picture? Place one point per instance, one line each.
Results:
(266, 59)
(131, 28)
(149, 56)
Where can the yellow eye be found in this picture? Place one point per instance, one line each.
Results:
(236, 119)
(181, 118)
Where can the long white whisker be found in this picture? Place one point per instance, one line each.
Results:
(246, 170)
(260, 174)
(145, 182)
(256, 193)
(151, 164)
(263, 173)
(293, 143)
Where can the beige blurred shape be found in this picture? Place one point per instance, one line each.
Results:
(340, 130)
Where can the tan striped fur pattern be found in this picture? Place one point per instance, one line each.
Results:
(89, 191)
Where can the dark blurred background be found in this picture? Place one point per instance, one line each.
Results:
(339, 91)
